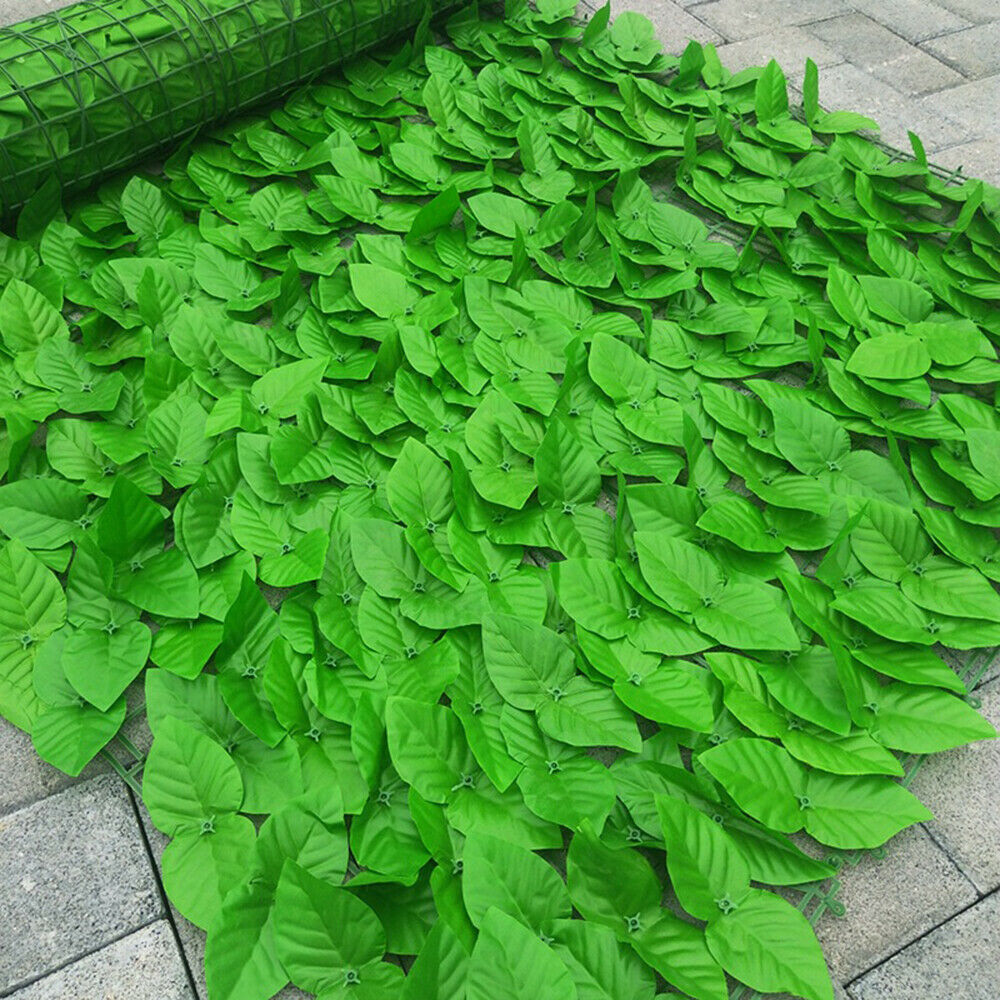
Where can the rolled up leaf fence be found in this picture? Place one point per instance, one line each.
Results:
(104, 84)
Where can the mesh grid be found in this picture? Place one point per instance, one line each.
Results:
(98, 86)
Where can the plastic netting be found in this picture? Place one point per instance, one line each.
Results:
(100, 85)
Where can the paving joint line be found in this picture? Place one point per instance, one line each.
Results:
(11, 989)
(920, 937)
(168, 911)
(926, 827)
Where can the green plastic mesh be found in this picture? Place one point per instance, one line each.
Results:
(104, 84)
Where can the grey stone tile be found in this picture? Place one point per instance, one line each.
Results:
(961, 789)
(12, 11)
(789, 46)
(915, 20)
(976, 11)
(960, 960)
(26, 777)
(145, 965)
(971, 105)
(890, 901)
(974, 52)
(879, 51)
(847, 88)
(74, 876)
(738, 19)
(675, 27)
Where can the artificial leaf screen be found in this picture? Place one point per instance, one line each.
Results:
(93, 87)
(523, 569)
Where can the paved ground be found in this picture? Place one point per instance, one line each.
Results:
(82, 915)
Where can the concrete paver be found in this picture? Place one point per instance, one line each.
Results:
(961, 789)
(974, 11)
(27, 777)
(74, 876)
(145, 965)
(789, 46)
(974, 52)
(956, 961)
(915, 20)
(736, 19)
(12, 11)
(890, 901)
(846, 87)
(970, 105)
(875, 49)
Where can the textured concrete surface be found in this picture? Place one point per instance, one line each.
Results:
(74, 876)
(144, 964)
(26, 777)
(961, 789)
(12, 11)
(974, 52)
(956, 961)
(875, 49)
(892, 901)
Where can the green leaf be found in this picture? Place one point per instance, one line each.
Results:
(147, 211)
(101, 664)
(890, 356)
(499, 874)
(765, 780)
(707, 871)
(32, 604)
(200, 867)
(323, 933)
(811, 439)
(241, 961)
(509, 961)
(567, 473)
(769, 945)
(428, 747)
(28, 319)
(386, 293)
(188, 780)
(602, 967)
(771, 94)
(419, 487)
(525, 661)
(609, 886)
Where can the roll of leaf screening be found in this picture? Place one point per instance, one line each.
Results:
(104, 84)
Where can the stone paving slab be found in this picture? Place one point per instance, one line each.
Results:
(789, 46)
(738, 19)
(846, 87)
(145, 965)
(890, 902)
(19, 10)
(975, 11)
(876, 50)
(974, 52)
(957, 961)
(972, 105)
(915, 20)
(26, 777)
(74, 876)
(961, 788)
